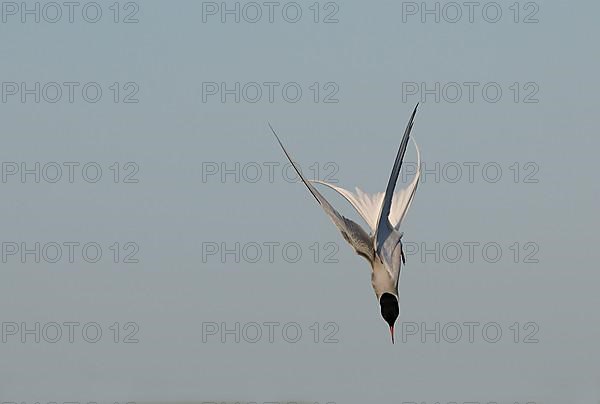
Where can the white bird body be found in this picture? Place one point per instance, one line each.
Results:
(383, 213)
(381, 279)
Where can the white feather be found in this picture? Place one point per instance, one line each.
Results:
(368, 205)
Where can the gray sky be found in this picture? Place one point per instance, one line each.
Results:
(506, 206)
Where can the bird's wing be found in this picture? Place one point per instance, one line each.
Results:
(368, 206)
(403, 198)
(384, 227)
(352, 232)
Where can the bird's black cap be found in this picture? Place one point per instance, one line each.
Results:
(389, 308)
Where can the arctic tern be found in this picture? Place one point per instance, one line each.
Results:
(383, 213)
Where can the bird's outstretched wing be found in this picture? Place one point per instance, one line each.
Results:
(403, 198)
(352, 232)
(368, 206)
(384, 227)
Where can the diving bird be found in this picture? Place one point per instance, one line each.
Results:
(383, 212)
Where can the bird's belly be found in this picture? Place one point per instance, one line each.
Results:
(382, 282)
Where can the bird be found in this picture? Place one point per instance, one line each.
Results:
(383, 213)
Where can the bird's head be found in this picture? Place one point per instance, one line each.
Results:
(389, 310)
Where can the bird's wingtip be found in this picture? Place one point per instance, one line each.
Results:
(274, 133)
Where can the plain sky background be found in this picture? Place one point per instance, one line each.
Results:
(171, 134)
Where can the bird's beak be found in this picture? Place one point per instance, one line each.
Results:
(392, 332)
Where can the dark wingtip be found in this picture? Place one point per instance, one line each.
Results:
(271, 127)
(412, 117)
(292, 163)
(276, 137)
